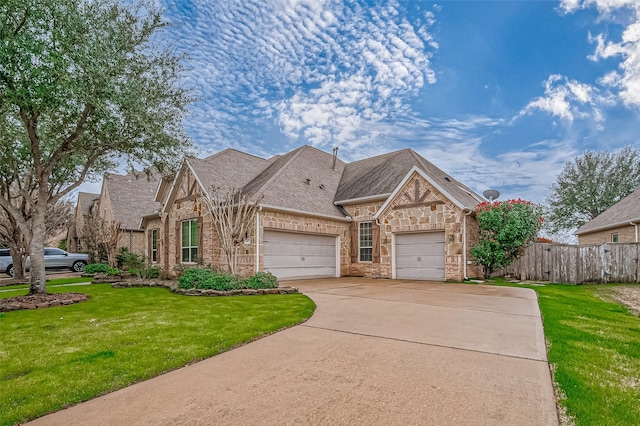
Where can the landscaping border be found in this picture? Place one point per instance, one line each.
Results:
(173, 286)
(18, 303)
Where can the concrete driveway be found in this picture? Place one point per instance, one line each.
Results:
(375, 352)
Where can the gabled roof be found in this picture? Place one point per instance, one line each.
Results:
(302, 180)
(85, 201)
(624, 212)
(132, 196)
(379, 176)
(227, 169)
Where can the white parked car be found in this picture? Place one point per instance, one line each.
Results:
(54, 258)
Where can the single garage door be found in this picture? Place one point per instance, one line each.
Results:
(420, 256)
(290, 256)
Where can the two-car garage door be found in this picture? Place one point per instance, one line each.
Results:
(420, 256)
(288, 255)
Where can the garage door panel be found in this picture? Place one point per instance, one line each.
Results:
(298, 260)
(422, 274)
(290, 255)
(299, 272)
(301, 249)
(420, 256)
(417, 261)
(436, 249)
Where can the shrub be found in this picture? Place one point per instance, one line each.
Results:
(94, 268)
(505, 228)
(202, 278)
(262, 280)
(100, 268)
(207, 279)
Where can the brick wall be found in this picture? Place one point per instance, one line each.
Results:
(626, 234)
(134, 240)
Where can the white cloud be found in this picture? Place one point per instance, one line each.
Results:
(315, 68)
(567, 99)
(627, 80)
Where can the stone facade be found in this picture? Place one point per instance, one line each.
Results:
(417, 207)
(626, 234)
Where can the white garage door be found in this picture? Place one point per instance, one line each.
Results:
(289, 256)
(420, 256)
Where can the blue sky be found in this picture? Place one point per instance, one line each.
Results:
(500, 94)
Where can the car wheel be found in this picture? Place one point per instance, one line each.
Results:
(10, 270)
(78, 266)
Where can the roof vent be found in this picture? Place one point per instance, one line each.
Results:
(307, 181)
(321, 186)
(335, 158)
(447, 179)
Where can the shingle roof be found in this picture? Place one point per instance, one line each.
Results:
(85, 201)
(623, 212)
(227, 169)
(132, 196)
(380, 175)
(302, 179)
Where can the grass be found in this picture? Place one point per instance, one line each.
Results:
(51, 282)
(594, 349)
(59, 356)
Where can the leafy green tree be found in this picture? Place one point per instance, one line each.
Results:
(505, 229)
(589, 185)
(84, 86)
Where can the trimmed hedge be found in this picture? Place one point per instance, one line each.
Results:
(262, 280)
(102, 268)
(201, 278)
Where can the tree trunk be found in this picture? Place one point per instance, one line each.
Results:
(38, 280)
(17, 258)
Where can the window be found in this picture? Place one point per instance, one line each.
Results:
(154, 245)
(53, 252)
(366, 242)
(189, 241)
(614, 237)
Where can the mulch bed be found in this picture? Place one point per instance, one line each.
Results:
(40, 301)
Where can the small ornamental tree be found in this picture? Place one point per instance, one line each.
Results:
(505, 229)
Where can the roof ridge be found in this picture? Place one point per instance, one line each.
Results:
(228, 149)
(381, 155)
(279, 172)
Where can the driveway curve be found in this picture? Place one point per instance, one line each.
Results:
(375, 352)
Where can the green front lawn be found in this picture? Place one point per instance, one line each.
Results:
(59, 356)
(594, 348)
(51, 282)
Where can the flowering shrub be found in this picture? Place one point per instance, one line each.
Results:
(505, 229)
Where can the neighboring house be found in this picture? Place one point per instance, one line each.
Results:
(85, 202)
(618, 224)
(391, 216)
(124, 199)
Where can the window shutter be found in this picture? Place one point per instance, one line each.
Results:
(149, 245)
(200, 239)
(353, 230)
(375, 234)
(178, 241)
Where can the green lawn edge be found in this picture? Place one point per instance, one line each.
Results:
(593, 349)
(56, 357)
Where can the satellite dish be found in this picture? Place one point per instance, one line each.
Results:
(491, 194)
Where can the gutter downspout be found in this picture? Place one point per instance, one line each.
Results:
(466, 212)
(258, 239)
(636, 226)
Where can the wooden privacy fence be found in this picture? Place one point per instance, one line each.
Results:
(561, 263)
